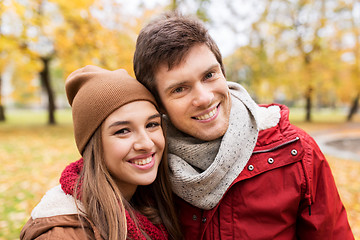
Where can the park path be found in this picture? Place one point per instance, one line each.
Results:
(342, 141)
(341, 144)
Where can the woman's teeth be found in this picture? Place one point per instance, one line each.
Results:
(207, 116)
(142, 161)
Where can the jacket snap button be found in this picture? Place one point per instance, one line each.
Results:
(294, 152)
(194, 217)
(250, 167)
(204, 220)
(270, 160)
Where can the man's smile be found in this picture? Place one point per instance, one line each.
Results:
(208, 115)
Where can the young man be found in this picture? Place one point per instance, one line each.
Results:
(241, 171)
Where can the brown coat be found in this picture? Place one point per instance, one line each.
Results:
(57, 217)
(59, 227)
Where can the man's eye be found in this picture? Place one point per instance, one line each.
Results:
(209, 75)
(178, 90)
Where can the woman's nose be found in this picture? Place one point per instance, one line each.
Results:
(143, 142)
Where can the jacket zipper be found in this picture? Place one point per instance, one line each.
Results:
(279, 146)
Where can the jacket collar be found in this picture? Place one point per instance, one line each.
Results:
(55, 202)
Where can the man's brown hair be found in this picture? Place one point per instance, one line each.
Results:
(167, 40)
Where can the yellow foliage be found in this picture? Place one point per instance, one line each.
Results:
(84, 40)
(76, 38)
(74, 5)
(291, 54)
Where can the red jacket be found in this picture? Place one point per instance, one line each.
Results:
(286, 191)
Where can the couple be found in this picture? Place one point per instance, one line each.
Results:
(238, 170)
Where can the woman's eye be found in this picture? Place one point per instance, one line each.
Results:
(153, 124)
(122, 131)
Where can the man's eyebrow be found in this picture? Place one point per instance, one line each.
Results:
(117, 123)
(209, 69)
(174, 85)
(215, 65)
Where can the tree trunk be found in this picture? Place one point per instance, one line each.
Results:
(2, 109)
(45, 81)
(173, 5)
(308, 104)
(2, 114)
(354, 108)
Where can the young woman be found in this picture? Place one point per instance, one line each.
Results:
(120, 188)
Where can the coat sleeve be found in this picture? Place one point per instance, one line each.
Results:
(51, 228)
(322, 215)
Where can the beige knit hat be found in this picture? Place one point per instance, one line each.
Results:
(94, 93)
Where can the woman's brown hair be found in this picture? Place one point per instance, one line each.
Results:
(105, 206)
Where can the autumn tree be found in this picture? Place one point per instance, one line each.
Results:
(348, 24)
(302, 22)
(85, 39)
(2, 110)
(253, 65)
(200, 9)
(11, 45)
(66, 36)
(294, 50)
(37, 43)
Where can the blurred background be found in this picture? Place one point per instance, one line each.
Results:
(302, 53)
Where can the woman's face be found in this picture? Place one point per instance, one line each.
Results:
(133, 143)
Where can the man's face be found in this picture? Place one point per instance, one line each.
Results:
(195, 94)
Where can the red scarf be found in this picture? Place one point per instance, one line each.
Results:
(68, 181)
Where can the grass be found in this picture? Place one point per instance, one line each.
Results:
(33, 155)
(38, 117)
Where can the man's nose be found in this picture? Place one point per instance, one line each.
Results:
(203, 96)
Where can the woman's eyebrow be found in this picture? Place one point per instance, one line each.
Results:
(157, 115)
(117, 123)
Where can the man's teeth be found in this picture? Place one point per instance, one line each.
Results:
(142, 161)
(207, 116)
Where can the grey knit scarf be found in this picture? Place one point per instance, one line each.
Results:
(202, 171)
